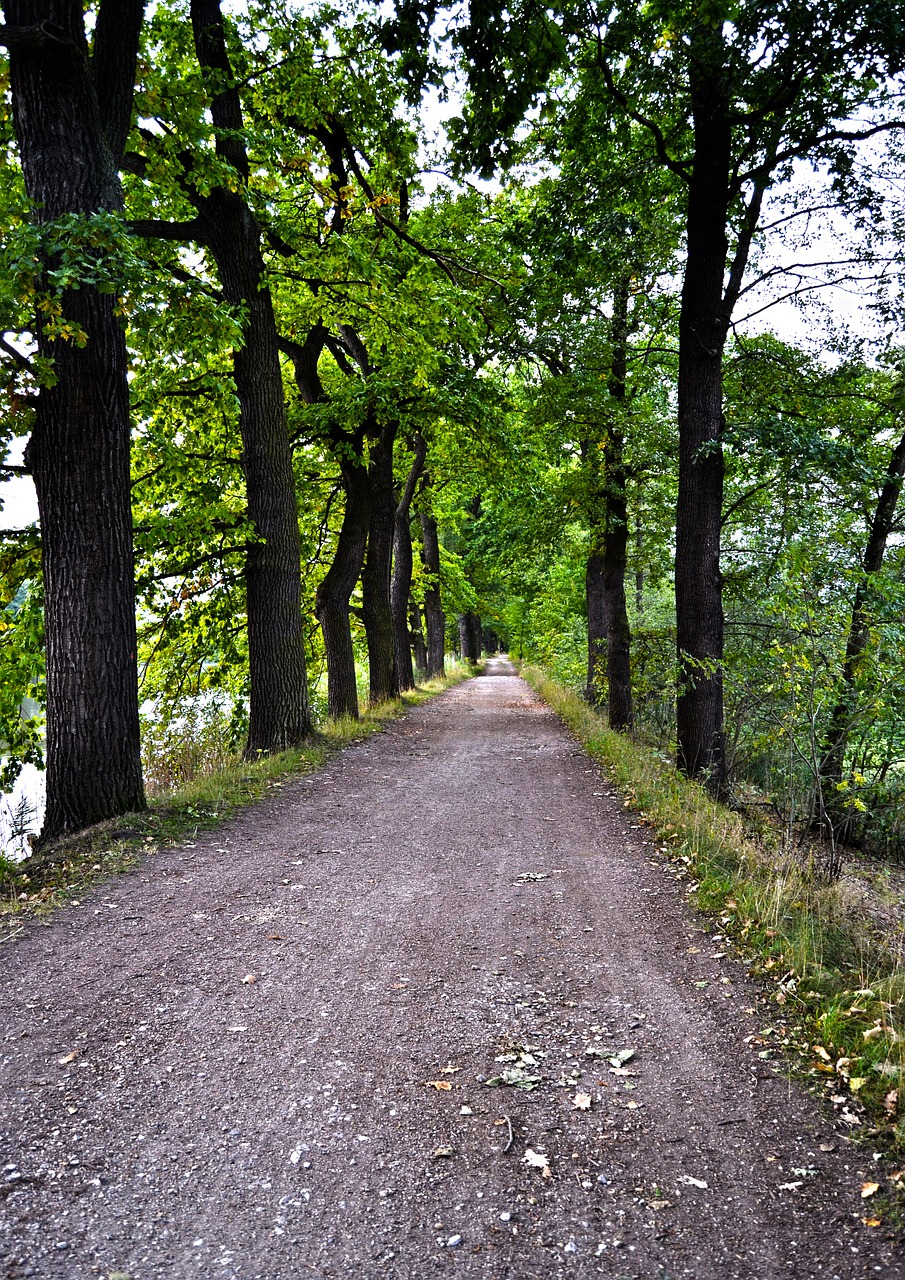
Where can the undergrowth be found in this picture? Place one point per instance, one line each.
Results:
(837, 988)
(212, 787)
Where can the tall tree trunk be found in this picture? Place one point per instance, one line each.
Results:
(835, 741)
(418, 645)
(609, 634)
(434, 617)
(702, 335)
(470, 637)
(72, 116)
(401, 583)
(335, 591)
(279, 712)
(377, 608)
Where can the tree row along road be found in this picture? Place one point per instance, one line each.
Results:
(266, 1055)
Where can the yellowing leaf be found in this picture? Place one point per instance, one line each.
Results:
(822, 1053)
(869, 1189)
(440, 1085)
(857, 1082)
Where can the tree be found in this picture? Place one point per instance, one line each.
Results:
(72, 105)
(226, 224)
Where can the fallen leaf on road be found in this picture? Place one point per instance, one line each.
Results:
(70, 1057)
(582, 1102)
(274, 937)
(449, 1070)
(537, 1160)
(621, 1058)
(440, 1085)
(872, 1222)
(531, 877)
(443, 1152)
(869, 1189)
(249, 979)
(688, 1181)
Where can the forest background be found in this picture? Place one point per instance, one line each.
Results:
(315, 390)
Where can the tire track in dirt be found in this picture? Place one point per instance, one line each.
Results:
(283, 1127)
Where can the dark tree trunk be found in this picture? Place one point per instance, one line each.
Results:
(418, 645)
(470, 636)
(279, 712)
(71, 117)
(335, 592)
(618, 632)
(832, 763)
(377, 608)
(702, 334)
(434, 617)
(609, 634)
(401, 583)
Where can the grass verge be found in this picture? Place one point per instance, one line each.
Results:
(61, 872)
(836, 987)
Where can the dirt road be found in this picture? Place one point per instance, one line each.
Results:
(266, 1056)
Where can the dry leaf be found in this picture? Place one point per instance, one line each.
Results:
(873, 1032)
(688, 1181)
(449, 1070)
(249, 979)
(869, 1189)
(70, 1057)
(582, 1102)
(821, 1052)
(274, 937)
(440, 1085)
(237, 1028)
(872, 1222)
(891, 1101)
(443, 1152)
(537, 1160)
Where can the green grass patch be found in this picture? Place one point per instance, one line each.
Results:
(62, 872)
(837, 988)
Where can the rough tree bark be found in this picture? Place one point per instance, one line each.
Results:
(279, 711)
(72, 116)
(418, 645)
(401, 583)
(434, 617)
(835, 741)
(377, 608)
(609, 634)
(335, 591)
(703, 324)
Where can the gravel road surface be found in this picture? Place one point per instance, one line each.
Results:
(269, 1054)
